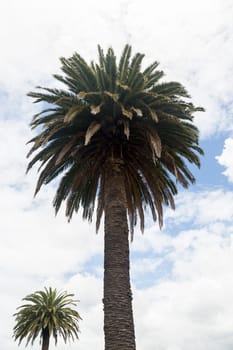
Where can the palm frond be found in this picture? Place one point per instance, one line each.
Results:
(124, 64)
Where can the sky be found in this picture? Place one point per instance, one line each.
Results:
(181, 275)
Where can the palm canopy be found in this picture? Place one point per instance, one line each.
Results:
(47, 312)
(115, 111)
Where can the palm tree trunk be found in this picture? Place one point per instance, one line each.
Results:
(45, 339)
(118, 315)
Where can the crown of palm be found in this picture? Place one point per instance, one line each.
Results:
(115, 111)
(47, 310)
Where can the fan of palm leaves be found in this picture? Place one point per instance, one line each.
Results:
(49, 312)
(115, 111)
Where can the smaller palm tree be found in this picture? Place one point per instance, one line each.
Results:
(49, 313)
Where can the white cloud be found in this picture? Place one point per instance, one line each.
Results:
(42, 239)
(202, 208)
(226, 159)
(193, 309)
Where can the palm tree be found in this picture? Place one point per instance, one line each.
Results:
(48, 313)
(121, 140)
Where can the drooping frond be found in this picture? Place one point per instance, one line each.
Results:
(115, 110)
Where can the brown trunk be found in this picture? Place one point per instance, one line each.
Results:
(118, 315)
(45, 339)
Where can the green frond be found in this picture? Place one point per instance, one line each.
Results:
(86, 73)
(73, 74)
(111, 69)
(134, 68)
(101, 57)
(102, 78)
(152, 80)
(150, 69)
(172, 88)
(124, 64)
(137, 82)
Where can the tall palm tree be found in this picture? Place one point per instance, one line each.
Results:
(48, 313)
(121, 140)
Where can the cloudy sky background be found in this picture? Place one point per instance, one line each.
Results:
(181, 276)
